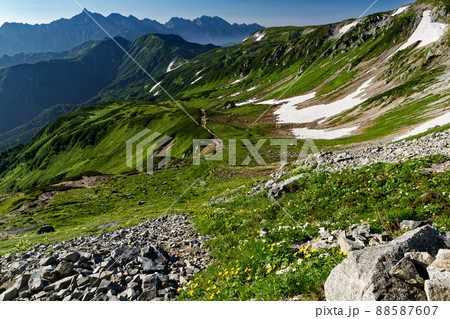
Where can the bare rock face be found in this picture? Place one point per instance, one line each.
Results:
(383, 272)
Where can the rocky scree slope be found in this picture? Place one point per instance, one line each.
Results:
(148, 262)
(432, 144)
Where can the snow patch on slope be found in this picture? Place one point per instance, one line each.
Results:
(154, 87)
(196, 80)
(289, 114)
(252, 88)
(427, 32)
(247, 102)
(348, 27)
(438, 121)
(305, 133)
(399, 11)
(171, 66)
(259, 36)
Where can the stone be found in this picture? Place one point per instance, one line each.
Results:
(60, 285)
(130, 293)
(437, 290)
(150, 266)
(366, 274)
(361, 230)
(104, 286)
(9, 295)
(45, 230)
(35, 284)
(85, 256)
(72, 257)
(148, 293)
(154, 279)
(82, 281)
(440, 268)
(125, 254)
(48, 261)
(18, 267)
(405, 270)
(64, 269)
(347, 245)
(22, 281)
(421, 260)
(412, 224)
(48, 273)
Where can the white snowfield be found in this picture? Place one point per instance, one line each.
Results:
(259, 36)
(289, 114)
(237, 81)
(196, 80)
(399, 11)
(348, 27)
(171, 68)
(438, 121)
(427, 32)
(154, 87)
(305, 133)
(252, 88)
(247, 102)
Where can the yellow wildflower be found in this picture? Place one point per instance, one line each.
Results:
(307, 256)
(313, 250)
(211, 297)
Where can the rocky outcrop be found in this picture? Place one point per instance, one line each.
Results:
(432, 144)
(403, 270)
(147, 262)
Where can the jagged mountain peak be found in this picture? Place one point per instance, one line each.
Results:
(65, 34)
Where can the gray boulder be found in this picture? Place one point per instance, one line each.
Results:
(45, 230)
(366, 272)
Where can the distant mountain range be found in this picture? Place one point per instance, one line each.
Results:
(28, 91)
(65, 34)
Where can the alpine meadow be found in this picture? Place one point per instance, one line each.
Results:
(207, 161)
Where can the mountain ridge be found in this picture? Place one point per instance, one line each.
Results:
(65, 34)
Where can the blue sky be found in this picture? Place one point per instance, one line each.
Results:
(264, 12)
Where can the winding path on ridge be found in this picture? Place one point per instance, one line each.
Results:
(218, 143)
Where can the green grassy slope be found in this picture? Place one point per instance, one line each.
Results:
(93, 139)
